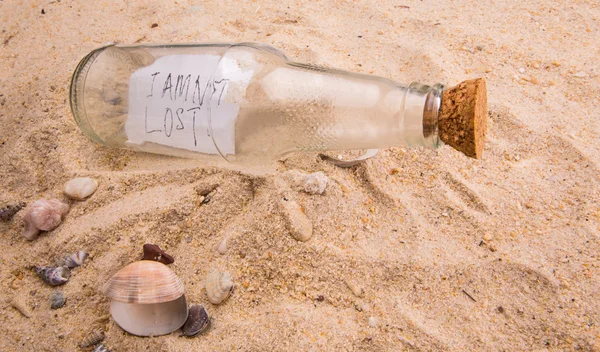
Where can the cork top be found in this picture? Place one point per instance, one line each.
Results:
(462, 120)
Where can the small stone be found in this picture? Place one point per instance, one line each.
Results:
(57, 300)
(154, 25)
(356, 290)
(154, 252)
(314, 183)
(80, 188)
(500, 309)
(21, 306)
(521, 70)
(487, 237)
(299, 225)
(373, 322)
(222, 248)
(580, 74)
(320, 298)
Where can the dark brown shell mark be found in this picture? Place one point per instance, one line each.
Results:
(154, 252)
(197, 321)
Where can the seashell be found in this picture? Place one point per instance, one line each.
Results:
(80, 188)
(299, 225)
(154, 252)
(93, 338)
(8, 211)
(57, 300)
(101, 348)
(54, 276)
(43, 215)
(218, 286)
(197, 322)
(74, 260)
(147, 299)
(20, 305)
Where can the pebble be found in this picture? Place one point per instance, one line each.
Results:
(299, 225)
(580, 74)
(373, 322)
(356, 290)
(222, 248)
(314, 183)
(57, 300)
(522, 70)
(80, 188)
(20, 305)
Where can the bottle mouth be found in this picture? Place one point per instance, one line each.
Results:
(431, 112)
(422, 107)
(76, 93)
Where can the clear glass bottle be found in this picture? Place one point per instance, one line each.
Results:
(244, 102)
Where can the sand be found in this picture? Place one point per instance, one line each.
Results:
(412, 250)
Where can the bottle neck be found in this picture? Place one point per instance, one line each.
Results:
(421, 112)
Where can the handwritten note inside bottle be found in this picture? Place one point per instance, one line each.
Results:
(180, 101)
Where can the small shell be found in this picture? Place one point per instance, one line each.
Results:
(54, 276)
(101, 348)
(20, 305)
(80, 188)
(197, 321)
(94, 338)
(8, 211)
(57, 300)
(299, 224)
(43, 215)
(218, 286)
(74, 260)
(144, 282)
(154, 252)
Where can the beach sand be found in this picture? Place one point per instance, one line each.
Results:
(444, 253)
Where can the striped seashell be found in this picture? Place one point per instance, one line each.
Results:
(54, 276)
(93, 338)
(74, 260)
(144, 282)
(218, 286)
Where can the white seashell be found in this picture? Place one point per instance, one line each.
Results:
(147, 299)
(43, 215)
(222, 248)
(80, 188)
(299, 225)
(219, 286)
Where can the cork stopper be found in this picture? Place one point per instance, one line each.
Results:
(462, 120)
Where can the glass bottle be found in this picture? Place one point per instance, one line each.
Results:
(243, 102)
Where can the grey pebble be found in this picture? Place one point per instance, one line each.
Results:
(57, 300)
